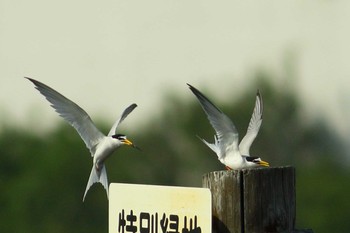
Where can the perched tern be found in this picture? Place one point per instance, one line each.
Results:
(100, 146)
(226, 147)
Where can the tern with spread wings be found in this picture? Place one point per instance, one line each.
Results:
(100, 145)
(226, 147)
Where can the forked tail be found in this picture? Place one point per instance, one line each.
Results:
(97, 177)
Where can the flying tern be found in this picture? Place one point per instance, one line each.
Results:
(226, 147)
(100, 145)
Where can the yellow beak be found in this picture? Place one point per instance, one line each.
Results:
(129, 143)
(263, 163)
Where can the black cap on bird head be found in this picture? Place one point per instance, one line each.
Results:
(124, 140)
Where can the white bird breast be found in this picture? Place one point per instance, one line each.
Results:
(105, 148)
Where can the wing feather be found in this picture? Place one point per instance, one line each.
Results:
(253, 127)
(227, 134)
(72, 113)
(126, 112)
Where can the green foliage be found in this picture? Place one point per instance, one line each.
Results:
(43, 178)
(323, 197)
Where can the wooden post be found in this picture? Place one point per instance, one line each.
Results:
(253, 200)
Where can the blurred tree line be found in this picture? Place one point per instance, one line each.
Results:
(43, 177)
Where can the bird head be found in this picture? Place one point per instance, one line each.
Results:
(122, 138)
(257, 161)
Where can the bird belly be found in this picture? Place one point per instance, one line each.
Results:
(103, 151)
(234, 161)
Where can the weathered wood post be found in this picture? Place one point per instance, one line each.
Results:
(253, 200)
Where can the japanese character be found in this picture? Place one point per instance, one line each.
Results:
(193, 227)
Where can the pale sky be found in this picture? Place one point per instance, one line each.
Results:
(105, 55)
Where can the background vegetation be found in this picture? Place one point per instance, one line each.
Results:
(43, 177)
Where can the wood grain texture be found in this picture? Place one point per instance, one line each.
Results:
(269, 199)
(253, 200)
(225, 188)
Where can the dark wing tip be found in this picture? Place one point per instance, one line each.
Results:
(191, 87)
(259, 96)
(30, 79)
(133, 106)
(196, 92)
(130, 108)
(202, 98)
(37, 83)
(258, 93)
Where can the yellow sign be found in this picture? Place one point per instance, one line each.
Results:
(158, 209)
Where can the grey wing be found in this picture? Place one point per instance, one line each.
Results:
(72, 113)
(254, 126)
(126, 112)
(226, 132)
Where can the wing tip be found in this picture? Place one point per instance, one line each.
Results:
(258, 93)
(259, 98)
(192, 88)
(30, 79)
(201, 97)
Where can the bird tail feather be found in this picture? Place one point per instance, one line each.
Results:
(210, 145)
(104, 180)
(97, 177)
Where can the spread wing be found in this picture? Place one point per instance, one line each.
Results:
(226, 132)
(126, 112)
(72, 113)
(254, 126)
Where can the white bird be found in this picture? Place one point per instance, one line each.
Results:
(226, 147)
(100, 146)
